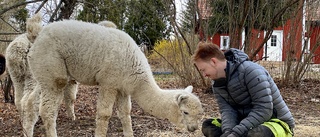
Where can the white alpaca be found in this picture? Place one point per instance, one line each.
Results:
(109, 58)
(27, 101)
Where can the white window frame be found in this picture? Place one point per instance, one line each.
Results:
(224, 40)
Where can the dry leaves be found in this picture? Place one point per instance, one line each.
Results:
(302, 101)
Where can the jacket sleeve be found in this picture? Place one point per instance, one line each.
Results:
(228, 113)
(259, 88)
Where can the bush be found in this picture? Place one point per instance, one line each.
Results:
(174, 56)
(167, 55)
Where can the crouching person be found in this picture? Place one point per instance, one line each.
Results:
(249, 101)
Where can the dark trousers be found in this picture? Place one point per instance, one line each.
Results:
(211, 130)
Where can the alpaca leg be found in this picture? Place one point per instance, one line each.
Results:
(50, 100)
(50, 72)
(18, 93)
(70, 92)
(106, 99)
(124, 109)
(30, 107)
(15, 68)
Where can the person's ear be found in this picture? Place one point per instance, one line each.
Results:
(213, 61)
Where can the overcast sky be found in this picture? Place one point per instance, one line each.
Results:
(180, 5)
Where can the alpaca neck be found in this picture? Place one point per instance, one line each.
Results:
(155, 101)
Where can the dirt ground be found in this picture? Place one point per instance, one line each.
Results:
(303, 102)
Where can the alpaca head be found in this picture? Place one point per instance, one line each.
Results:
(108, 24)
(190, 110)
(33, 27)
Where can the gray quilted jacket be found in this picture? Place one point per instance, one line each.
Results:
(248, 96)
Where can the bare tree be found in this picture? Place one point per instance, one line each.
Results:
(271, 20)
(299, 55)
(187, 41)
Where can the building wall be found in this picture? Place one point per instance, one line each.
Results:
(292, 39)
(256, 40)
(315, 41)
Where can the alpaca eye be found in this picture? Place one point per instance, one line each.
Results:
(186, 113)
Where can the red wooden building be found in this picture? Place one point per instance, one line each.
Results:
(287, 39)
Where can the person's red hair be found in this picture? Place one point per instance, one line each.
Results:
(207, 50)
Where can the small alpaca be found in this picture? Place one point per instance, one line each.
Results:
(27, 101)
(109, 58)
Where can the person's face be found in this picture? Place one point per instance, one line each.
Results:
(208, 68)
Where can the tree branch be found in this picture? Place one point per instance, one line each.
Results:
(1, 40)
(9, 24)
(41, 5)
(55, 12)
(17, 5)
(10, 33)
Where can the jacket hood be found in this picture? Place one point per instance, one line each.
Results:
(234, 57)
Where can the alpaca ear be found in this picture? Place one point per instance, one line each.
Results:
(181, 98)
(189, 88)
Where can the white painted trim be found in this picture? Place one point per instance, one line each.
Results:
(224, 42)
(280, 46)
